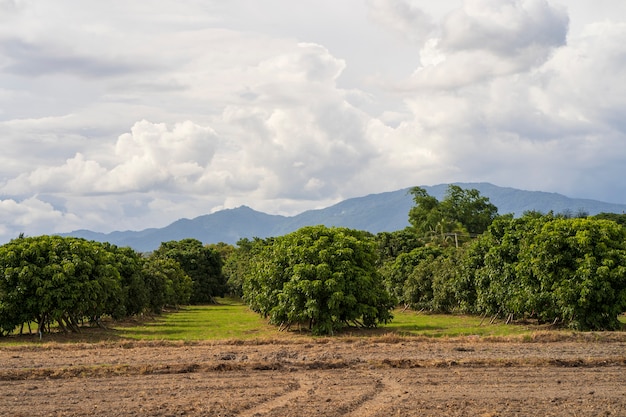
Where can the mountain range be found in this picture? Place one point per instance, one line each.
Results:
(375, 213)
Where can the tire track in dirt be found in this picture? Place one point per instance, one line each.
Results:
(387, 392)
(301, 385)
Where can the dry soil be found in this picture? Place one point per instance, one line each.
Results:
(326, 377)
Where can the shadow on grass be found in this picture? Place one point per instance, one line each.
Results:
(159, 327)
(112, 331)
(86, 335)
(411, 327)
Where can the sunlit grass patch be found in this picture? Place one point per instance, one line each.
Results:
(232, 320)
(411, 323)
(229, 319)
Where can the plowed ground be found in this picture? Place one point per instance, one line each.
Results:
(342, 377)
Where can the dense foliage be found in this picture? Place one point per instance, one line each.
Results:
(459, 216)
(167, 284)
(202, 263)
(323, 277)
(51, 280)
(238, 263)
(554, 268)
(458, 255)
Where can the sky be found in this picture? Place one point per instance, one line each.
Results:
(125, 115)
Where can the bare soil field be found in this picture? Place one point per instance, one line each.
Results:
(382, 376)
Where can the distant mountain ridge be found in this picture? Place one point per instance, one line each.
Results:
(375, 213)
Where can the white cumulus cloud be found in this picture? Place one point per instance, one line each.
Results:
(151, 155)
(126, 115)
(403, 18)
(490, 38)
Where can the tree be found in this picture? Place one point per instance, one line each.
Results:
(579, 266)
(467, 207)
(571, 270)
(51, 279)
(434, 283)
(425, 216)
(396, 273)
(238, 263)
(166, 283)
(393, 244)
(461, 214)
(129, 265)
(325, 277)
(201, 263)
(225, 250)
(617, 218)
(491, 263)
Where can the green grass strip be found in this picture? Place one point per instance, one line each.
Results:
(231, 319)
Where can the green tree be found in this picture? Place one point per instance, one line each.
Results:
(433, 281)
(617, 218)
(51, 279)
(467, 207)
(166, 283)
(393, 244)
(579, 267)
(129, 265)
(396, 273)
(571, 270)
(461, 214)
(425, 216)
(494, 258)
(325, 277)
(203, 265)
(238, 263)
(225, 250)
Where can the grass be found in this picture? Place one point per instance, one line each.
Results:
(232, 320)
(411, 323)
(229, 319)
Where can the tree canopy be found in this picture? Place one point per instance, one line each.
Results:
(64, 280)
(555, 268)
(461, 213)
(202, 263)
(324, 277)
(54, 279)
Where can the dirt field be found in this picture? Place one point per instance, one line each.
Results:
(343, 377)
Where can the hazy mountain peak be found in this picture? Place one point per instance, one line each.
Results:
(374, 212)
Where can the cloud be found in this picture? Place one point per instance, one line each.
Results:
(151, 155)
(77, 174)
(9, 5)
(294, 134)
(490, 38)
(402, 18)
(298, 135)
(31, 215)
(185, 142)
(29, 60)
(553, 127)
(128, 115)
(586, 81)
(504, 27)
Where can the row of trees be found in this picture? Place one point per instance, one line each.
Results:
(332, 277)
(458, 255)
(65, 281)
(555, 268)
